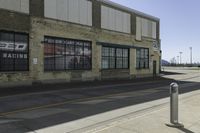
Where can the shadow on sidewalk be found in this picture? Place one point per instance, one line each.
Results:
(181, 128)
(185, 130)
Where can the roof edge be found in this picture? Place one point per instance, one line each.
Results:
(129, 9)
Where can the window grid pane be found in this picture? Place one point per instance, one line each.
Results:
(142, 58)
(119, 62)
(67, 54)
(115, 58)
(112, 62)
(125, 52)
(13, 51)
(105, 61)
(112, 52)
(125, 62)
(119, 52)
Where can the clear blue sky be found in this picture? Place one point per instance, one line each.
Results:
(180, 25)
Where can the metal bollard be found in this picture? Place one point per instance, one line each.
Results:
(174, 92)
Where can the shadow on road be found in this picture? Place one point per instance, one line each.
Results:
(171, 73)
(109, 98)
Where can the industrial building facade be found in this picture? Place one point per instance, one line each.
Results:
(76, 40)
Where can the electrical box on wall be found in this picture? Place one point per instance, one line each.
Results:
(35, 61)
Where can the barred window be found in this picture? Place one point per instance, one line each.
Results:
(66, 54)
(14, 51)
(115, 58)
(142, 61)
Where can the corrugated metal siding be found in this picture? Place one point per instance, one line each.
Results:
(61, 9)
(89, 13)
(112, 19)
(73, 11)
(51, 4)
(104, 17)
(84, 9)
(138, 28)
(147, 27)
(15, 5)
(115, 20)
(25, 6)
(154, 30)
(126, 22)
(119, 21)
(76, 11)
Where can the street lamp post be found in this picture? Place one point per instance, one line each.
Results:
(191, 55)
(177, 59)
(180, 56)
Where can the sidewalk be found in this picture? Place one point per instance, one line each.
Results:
(149, 117)
(154, 121)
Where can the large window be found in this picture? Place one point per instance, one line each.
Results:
(142, 58)
(115, 58)
(66, 54)
(13, 51)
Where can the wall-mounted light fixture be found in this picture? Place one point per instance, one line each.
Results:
(11, 14)
(152, 55)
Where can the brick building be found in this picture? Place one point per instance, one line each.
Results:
(76, 40)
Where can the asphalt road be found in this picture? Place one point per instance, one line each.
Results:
(33, 110)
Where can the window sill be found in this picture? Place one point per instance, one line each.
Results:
(142, 68)
(61, 71)
(115, 69)
(13, 72)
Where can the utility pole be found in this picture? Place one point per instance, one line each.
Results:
(191, 55)
(177, 59)
(180, 56)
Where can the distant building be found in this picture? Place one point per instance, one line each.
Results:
(165, 63)
(48, 40)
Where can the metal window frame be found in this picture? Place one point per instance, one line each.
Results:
(65, 55)
(28, 60)
(140, 59)
(115, 56)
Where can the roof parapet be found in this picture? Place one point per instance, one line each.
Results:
(108, 2)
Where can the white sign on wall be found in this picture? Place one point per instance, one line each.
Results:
(35, 61)
(10, 46)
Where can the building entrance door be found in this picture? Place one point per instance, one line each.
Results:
(154, 68)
